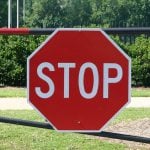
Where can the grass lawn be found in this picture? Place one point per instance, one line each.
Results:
(19, 137)
(140, 92)
(22, 92)
(13, 92)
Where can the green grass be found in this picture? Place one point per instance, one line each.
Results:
(22, 138)
(22, 92)
(131, 114)
(12, 92)
(140, 92)
(128, 114)
(19, 137)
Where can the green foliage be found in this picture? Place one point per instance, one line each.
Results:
(3, 13)
(85, 13)
(139, 51)
(14, 51)
(77, 13)
(73, 13)
(45, 13)
(140, 54)
(13, 54)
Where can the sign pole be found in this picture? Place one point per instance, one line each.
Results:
(17, 13)
(24, 7)
(9, 13)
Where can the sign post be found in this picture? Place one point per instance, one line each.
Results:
(79, 79)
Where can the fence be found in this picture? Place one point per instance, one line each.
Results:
(125, 34)
(47, 31)
(113, 31)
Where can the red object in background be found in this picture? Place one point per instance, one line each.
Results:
(78, 79)
(14, 31)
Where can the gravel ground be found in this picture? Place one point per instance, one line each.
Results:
(139, 127)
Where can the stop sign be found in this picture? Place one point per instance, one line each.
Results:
(78, 79)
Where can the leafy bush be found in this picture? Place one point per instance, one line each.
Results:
(140, 54)
(14, 51)
(139, 51)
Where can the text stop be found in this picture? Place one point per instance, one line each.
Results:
(88, 65)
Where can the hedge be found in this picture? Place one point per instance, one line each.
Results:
(139, 51)
(14, 51)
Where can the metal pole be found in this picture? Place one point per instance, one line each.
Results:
(45, 125)
(48, 31)
(9, 13)
(24, 7)
(17, 13)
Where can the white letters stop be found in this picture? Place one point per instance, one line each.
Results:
(88, 65)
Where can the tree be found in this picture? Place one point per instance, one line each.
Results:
(45, 13)
(78, 12)
(3, 13)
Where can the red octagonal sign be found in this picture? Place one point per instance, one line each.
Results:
(78, 79)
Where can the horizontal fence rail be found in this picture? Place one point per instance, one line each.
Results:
(101, 134)
(47, 31)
